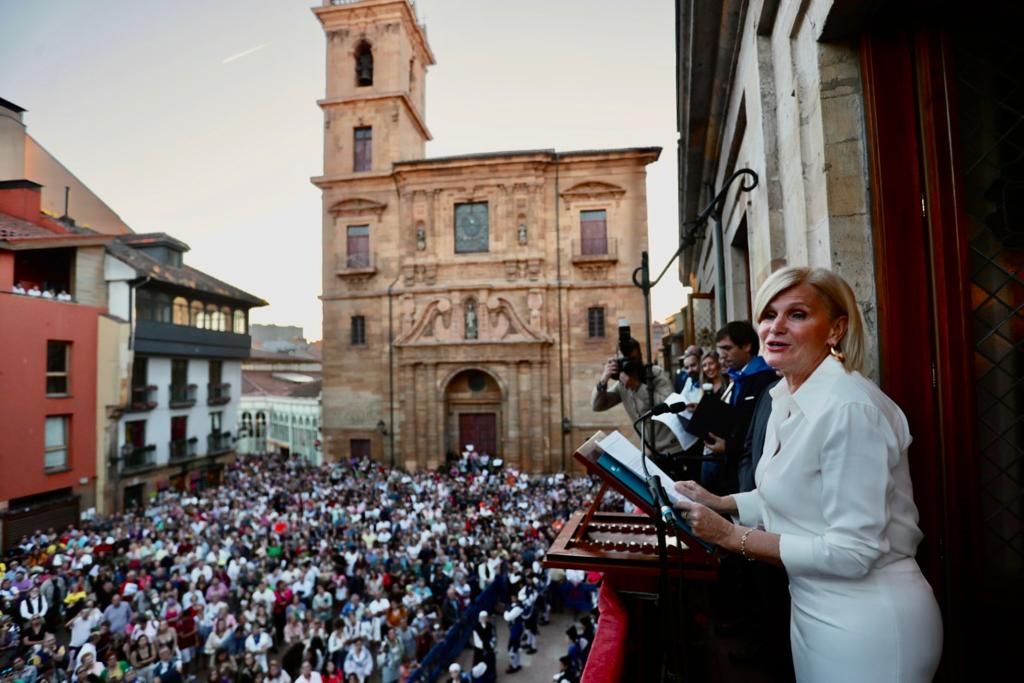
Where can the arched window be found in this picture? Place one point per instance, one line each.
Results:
(198, 314)
(224, 323)
(180, 311)
(239, 322)
(261, 423)
(212, 316)
(162, 307)
(364, 64)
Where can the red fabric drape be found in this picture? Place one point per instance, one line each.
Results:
(604, 665)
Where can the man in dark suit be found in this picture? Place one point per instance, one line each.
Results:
(754, 443)
(738, 348)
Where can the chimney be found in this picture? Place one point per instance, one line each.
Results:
(22, 199)
(12, 141)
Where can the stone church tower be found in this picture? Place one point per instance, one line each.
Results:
(468, 299)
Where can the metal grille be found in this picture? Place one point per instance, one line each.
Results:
(991, 120)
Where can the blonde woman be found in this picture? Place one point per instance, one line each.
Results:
(834, 504)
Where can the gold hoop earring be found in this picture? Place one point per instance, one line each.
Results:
(837, 354)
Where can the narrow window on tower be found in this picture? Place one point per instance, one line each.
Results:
(363, 149)
(357, 245)
(593, 233)
(595, 322)
(364, 65)
(358, 330)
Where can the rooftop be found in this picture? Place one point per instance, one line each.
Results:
(284, 384)
(186, 277)
(548, 153)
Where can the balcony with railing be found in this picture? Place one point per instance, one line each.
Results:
(600, 250)
(182, 395)
(143, 398)
(218, 394)
(220, 442)
(183, 449)
(357, 265)
(137, 457)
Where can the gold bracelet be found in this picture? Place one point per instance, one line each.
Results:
(743, 545)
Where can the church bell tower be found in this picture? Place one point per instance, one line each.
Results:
(374, 109)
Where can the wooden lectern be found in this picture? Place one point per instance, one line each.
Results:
(624, 544)
(626, 548)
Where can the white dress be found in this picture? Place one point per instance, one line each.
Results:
(833, 482)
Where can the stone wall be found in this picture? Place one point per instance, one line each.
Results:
(795, 115)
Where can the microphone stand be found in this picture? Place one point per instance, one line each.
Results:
(693, 231)
(659, 499)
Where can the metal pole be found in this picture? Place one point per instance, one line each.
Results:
(720, 267)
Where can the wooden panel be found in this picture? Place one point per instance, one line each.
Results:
(481, 430)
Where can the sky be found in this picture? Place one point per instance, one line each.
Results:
(198, 117)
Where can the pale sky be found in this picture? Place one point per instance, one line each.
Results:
(198, 117)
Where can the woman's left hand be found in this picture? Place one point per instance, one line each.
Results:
(706, 524)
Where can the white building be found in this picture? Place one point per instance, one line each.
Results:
(280, 406)
(189, 336)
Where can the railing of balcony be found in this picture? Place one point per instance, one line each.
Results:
(182, 395)
(133, 457)
(143, 398)
(217, 394)
(595, 249)
(361, 261)
(219, 442)
(183, 449)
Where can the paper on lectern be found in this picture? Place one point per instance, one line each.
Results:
(623, 450)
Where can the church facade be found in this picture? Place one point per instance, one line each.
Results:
(469, 299)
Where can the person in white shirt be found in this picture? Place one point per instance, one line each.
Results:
(834, 503)
(259, 643)
(307, 675)
(18, 288)
(34, 605)
(276, 674)
(359, 661)
(35, 291)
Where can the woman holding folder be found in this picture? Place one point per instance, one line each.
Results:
(833, 504)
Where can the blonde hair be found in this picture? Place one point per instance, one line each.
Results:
(838, 298)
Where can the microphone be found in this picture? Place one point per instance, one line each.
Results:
(663, 408)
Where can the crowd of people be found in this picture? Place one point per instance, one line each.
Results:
(286, 572)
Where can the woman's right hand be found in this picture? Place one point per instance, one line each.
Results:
(699, 494)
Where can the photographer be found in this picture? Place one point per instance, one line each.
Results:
(631, 390)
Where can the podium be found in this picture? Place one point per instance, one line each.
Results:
(651, 585)
(616, 542)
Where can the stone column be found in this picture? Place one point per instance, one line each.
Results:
(434, 414)
(511, 409)
(539, 455)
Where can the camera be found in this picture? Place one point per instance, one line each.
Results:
(624, 347)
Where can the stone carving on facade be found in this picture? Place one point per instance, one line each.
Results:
(357, 206)
(421, 237)
(470, 319)
(535, 302)
(523, 269)
(492, 319)
(593, 271)
(590, 190)
(408, 312)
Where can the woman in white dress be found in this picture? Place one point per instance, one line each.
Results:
(834, 504)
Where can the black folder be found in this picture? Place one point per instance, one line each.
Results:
(712, 415)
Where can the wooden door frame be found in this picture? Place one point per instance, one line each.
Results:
(924, 324)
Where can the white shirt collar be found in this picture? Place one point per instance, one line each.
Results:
(811, 396)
